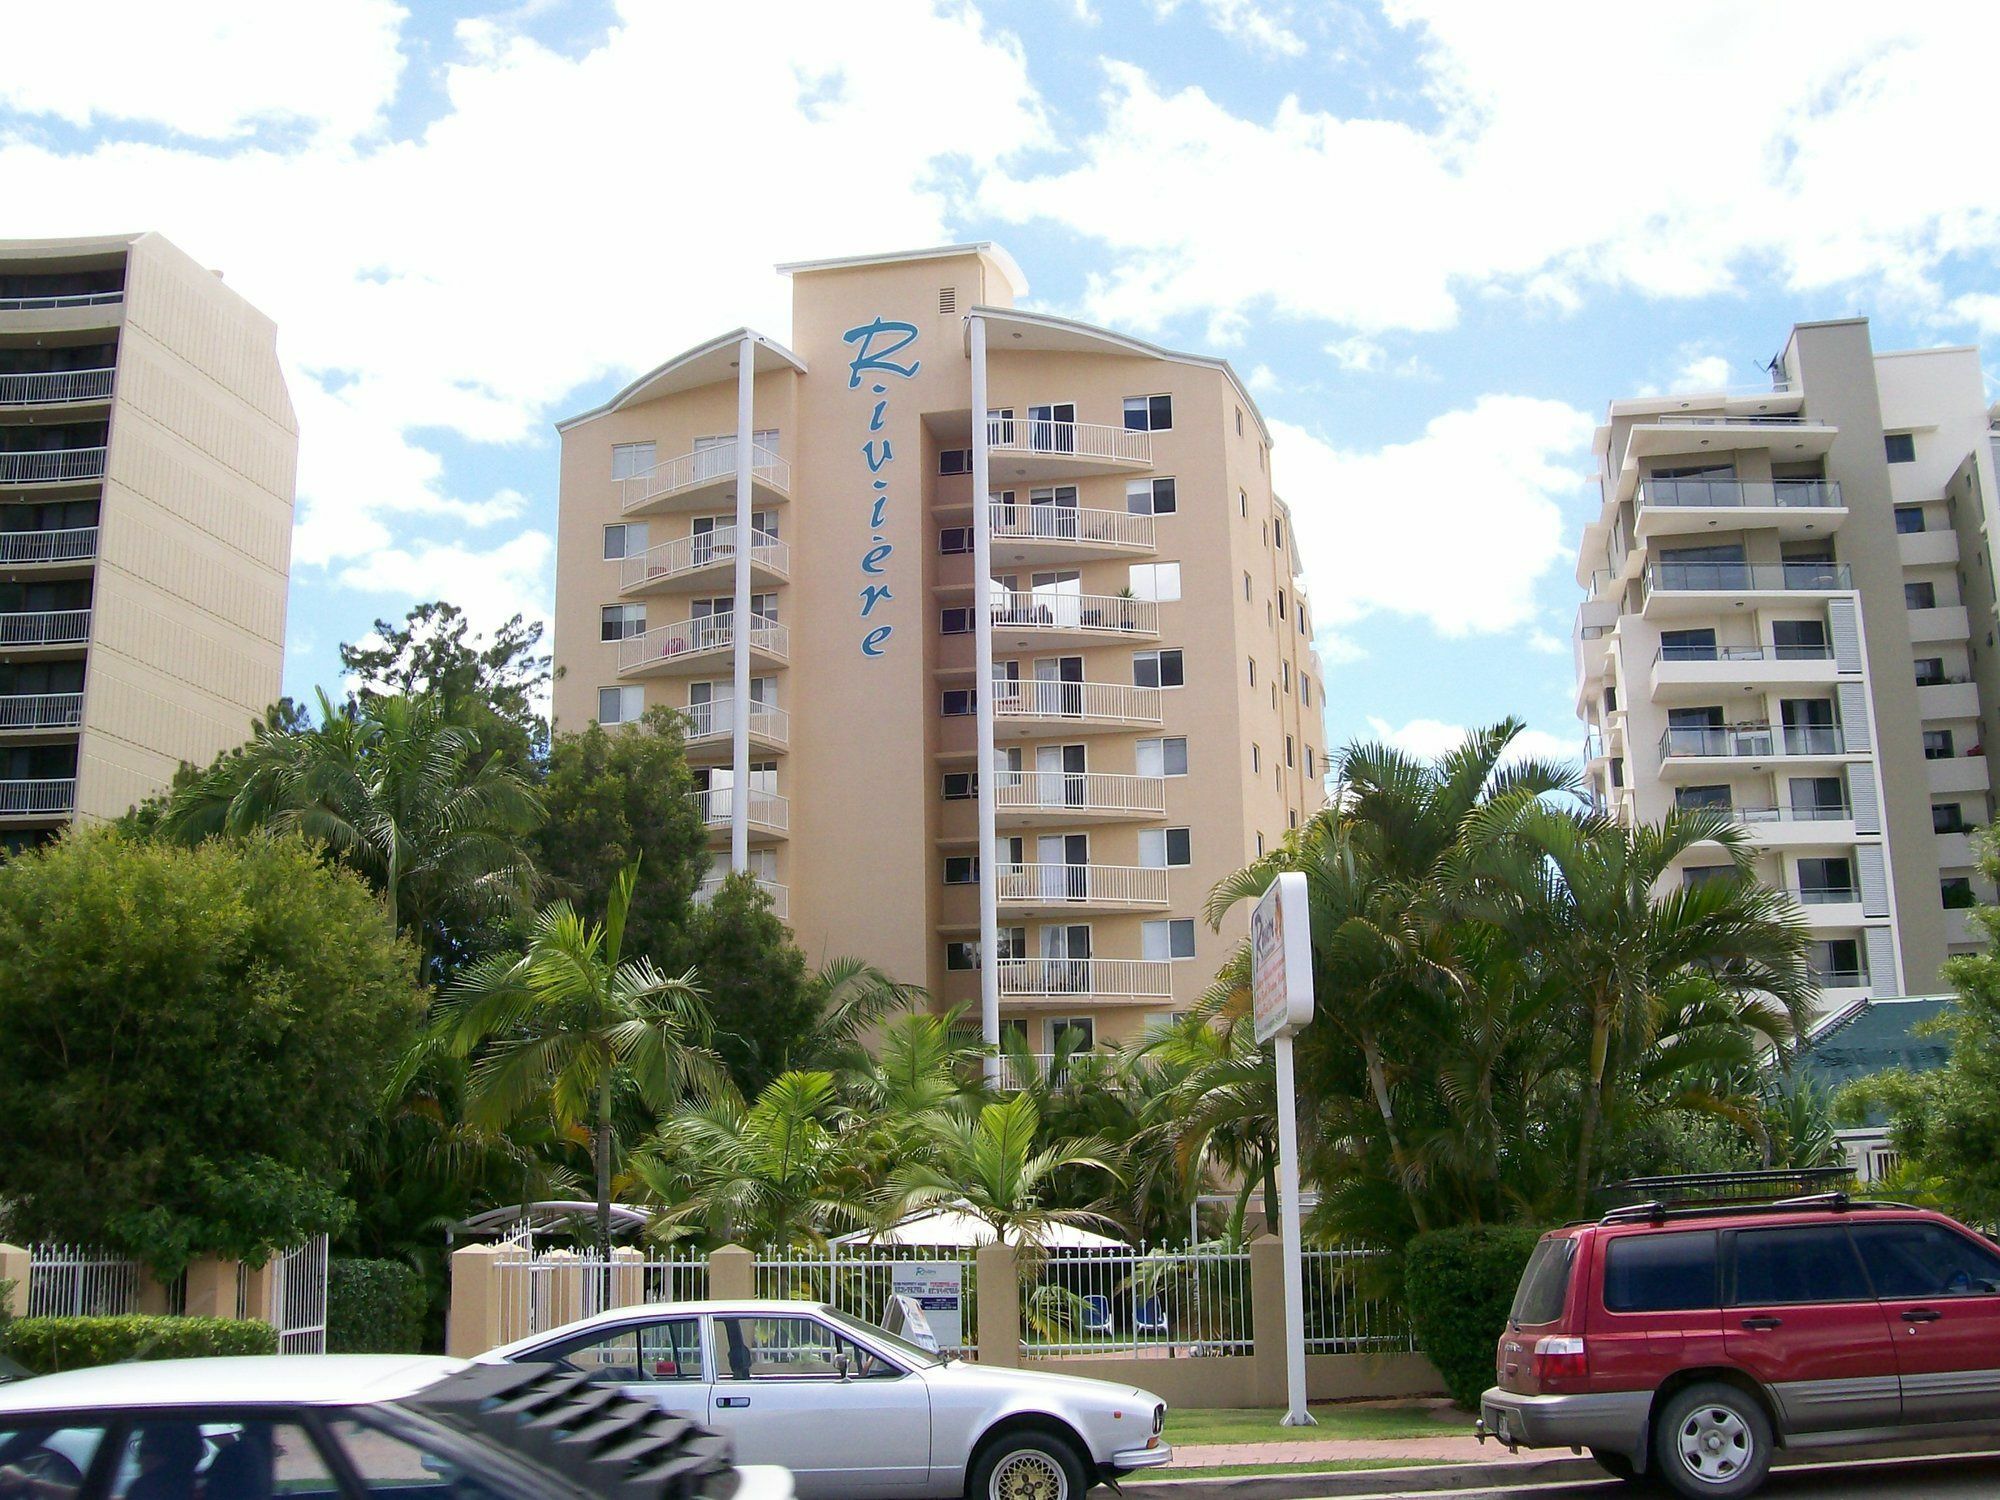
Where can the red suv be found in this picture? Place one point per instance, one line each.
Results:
(1688, 1343)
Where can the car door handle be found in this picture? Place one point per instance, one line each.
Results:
(1762, 1325)
(1921, 1315)
(732, 1401)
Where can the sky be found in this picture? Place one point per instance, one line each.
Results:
(1434, 236)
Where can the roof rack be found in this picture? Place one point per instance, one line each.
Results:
(1811, 1203)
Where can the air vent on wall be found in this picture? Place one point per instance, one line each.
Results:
(947, 300)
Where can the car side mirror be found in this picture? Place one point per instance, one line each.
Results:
(843, 1367)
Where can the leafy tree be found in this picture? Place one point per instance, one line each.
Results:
(493, 690)
(194, 1041)
(755, 979)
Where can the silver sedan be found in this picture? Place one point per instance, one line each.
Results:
(854, 1411)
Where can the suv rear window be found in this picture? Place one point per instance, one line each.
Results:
(1805, 1263)
(1544, 1289)
(1660, 1272)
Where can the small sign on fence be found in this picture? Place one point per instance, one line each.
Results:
(936, 1289)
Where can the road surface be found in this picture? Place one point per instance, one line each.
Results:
(1883, 1479)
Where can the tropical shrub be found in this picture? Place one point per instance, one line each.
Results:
(373, 1307)
(46, 1345)
(1459, 1287)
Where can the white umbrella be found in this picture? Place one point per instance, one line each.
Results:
(956, 1229)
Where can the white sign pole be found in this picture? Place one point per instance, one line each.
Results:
(1288, 1219)
(1281, 992)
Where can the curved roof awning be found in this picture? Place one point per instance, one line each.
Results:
(548, 1214)
(705, 364)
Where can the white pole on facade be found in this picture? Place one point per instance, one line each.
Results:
(982, 677)
(740, 618)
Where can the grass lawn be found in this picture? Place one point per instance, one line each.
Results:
(1336, 1420)
(1238, 1471)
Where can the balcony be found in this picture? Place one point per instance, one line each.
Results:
(769, 813)
(705, 892)
(48, 627)
(1795, 827)
(1793, 508)
(700, 560)
(712, 725)
(1927, 549)
(1943, 622)
(1694, 589)
(1087, 979)
(1954, 850)
(1050, 889)
(1960, 930)
(1957, 773)
(29, 548)
(1028, 798)
(1939, 701)
(702, 479)
(1826, 895)
(64, 300)
(55, 387)
(1066, 533)
(1023, 448)
(32, 712)
(52, 466)
(1023, 707)
(1022, 621)
(695, 645)
(37, 799)
(1753, 741)
(1685, 674)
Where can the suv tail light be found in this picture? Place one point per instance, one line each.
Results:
(1560, 1358)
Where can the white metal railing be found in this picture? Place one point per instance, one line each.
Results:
(717, 461)
(37, 799)
(542, 1291)
(1070, 523)
(1342, 1316)
(1677, 577)
(704, 633)
(41, 710)
(1111, 614)
(1079, 791)
(859, 1280)
(65, 299)
(687, 554)
(1122, 1301)
(1732, 421)
(51, 465)
(1091, 440)
(295, 1297)
(705, 892)
(76, 1281)
(717, 720)
(717, 807)
(1776, 494)
(45, 627)
(1075, 701)
(1110, 978)
(53, 387)
(75, 544)
(1090, 885)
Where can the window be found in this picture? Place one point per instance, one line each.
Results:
(1149, 413)
(1163, 757)
(630, 459)
(1920, 595)
(1160, 669)
(1260, 846)
(959, 702)
(627, 539)
(1826, 880)
(1164, 848)
(1799, 640)
(1246, 588)
(1278, 539)
(669, 1350)
(781, 1347)
(961, 956)
(1930, 671)
(1285, 674)
(1544, 1289)
(1150, 497)
(1309, 760)
(1243, 503)
(1158, 581)
(620, 705)
(1305, 689)
(960, 786)
(1660, 1272)
(1256, 759)
(1281, 604)
(1835, 963)
(1291, 757)
(961, 869)
(954, 461)
(1253, 671)
(1239, 421)
(1948, 817)
(1937, 744)
(616, 622)
(1697, 875)
(955, 622)
(49, 1463)
(954, 540)
(1912, 1259)
(1800, 1263)
(1899, 447)
(1173, 938)
(1955, 891)
(1909, 519)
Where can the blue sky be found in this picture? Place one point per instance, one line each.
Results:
(1435, 236)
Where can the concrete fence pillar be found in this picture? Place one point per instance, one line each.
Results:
(1267, 1318)
(732, 1273)
(155, 1295)
(998, 1290)
(473, 1317)
(15, 1265)
(628, 1277)
(211, 1287)
(562, 1288)
(260, 1289)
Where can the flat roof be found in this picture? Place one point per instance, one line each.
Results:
(987, 250)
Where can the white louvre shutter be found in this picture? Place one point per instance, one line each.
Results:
(1874, 872)
(1854, 715)
(1845, 627)
(1861, 797)
(1881, 949)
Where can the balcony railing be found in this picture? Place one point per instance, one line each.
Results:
(77, 544)
(66, 299)
(1113, 614)
(51, 465)
(47, 627)
(1838, 979)
(54, 387)
(1079, 791)
(1744, 653)
(705, 892)
(707, 633)
(1089, 440)
(709, 721)
(41, 710)
(37, 799)
(1752, 740)
(688, 553)
(1826, 895)
(1069, 523)
(1741, 493)
(1754, 815)
(1097, 885)
(1067, 702)
(704, 465)
(1744, 421)
(1734, 577)
(1108, 978)
(717, 807)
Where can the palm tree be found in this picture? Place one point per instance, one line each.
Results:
(570, 1024)
(850, 997)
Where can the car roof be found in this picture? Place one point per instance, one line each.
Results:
(251, 1380)
(753, 1306)
(1761, 1216)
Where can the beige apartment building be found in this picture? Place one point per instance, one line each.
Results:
(147, 454)
(1000, 749)
(1790, 615)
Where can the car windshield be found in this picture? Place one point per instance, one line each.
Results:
(903, 1349)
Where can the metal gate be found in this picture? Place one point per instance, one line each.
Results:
(294, 1300)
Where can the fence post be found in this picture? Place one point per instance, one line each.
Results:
(999, 1297)
(260, 1286)
(732, 1273)
(472, 1318)
(211, 1287)
(1267, 1318)
(628, 1278)
(16, 1264)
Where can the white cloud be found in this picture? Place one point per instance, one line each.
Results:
(1264, 381)
(490, 586)
(1454, 526)
(1981, 309)
(1707, 372)
(1261, 27)
(1546, 642)
(1357, 355)
(1427, 739)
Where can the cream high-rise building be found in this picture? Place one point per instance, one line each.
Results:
(1037, 730)
(1790, 615)
(147, 453)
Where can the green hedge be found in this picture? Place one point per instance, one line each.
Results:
(374, 1307)
(46, 1345)
(1459, 1286)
